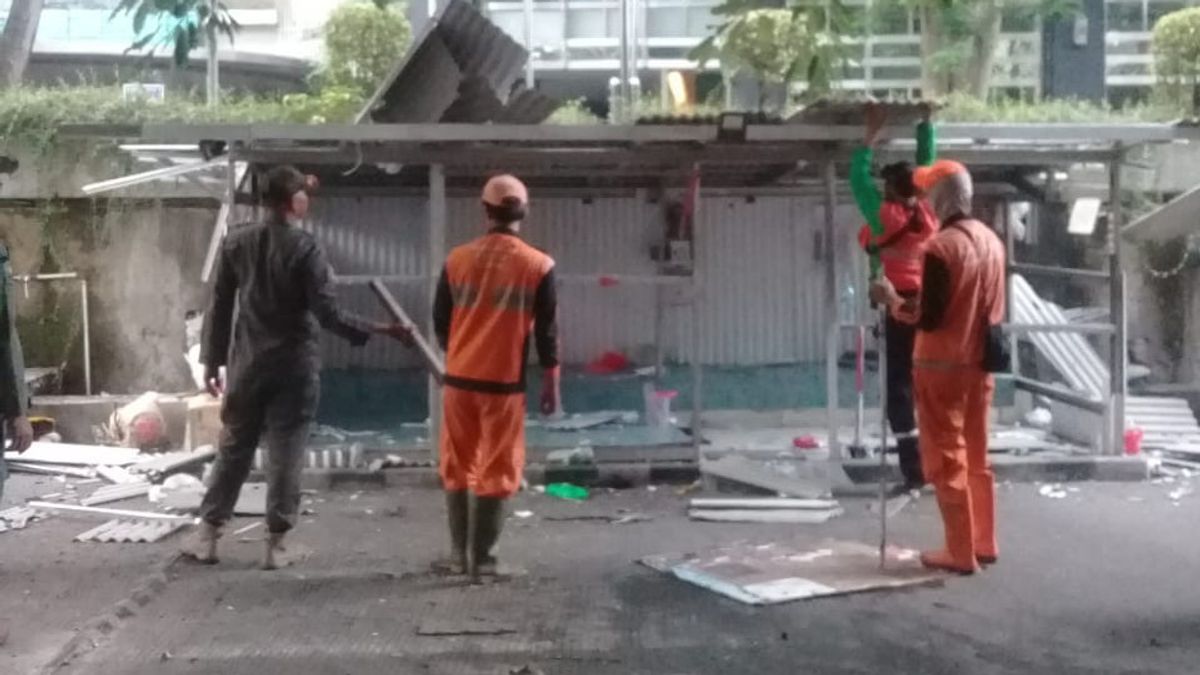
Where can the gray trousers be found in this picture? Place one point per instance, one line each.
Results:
(280, 406)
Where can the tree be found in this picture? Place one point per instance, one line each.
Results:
(1176, 47)
(779, 45)
(16, 42)
(181, 26)
(959, 39)
(363, 42)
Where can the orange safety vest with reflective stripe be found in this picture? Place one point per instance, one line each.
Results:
(973, 296)
(493, 284)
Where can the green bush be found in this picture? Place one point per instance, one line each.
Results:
(963, 108)
(30, 117)
(573, 112)
(1176, 47)
(363, 42)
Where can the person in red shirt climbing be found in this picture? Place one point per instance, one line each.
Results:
(899, 226)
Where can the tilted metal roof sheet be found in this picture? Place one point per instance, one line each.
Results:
(462, 69)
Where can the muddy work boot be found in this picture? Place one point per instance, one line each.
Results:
(201, 544)
(458, 517)
(487, 520)
(280, 554)
(944, 561)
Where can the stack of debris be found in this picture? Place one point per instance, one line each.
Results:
(120, 473)
(791, 499)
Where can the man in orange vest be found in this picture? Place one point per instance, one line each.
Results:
(494, 294)
(962, 295)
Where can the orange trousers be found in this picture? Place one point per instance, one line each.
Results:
(483, 442)
(952, 415)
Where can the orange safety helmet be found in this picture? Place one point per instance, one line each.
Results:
(505, 188)
(925, 177)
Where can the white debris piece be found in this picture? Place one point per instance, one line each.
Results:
(132, 531)
(523, 514)
(1053, 491)
(116, 474)
(18, 517)
(1039, 418)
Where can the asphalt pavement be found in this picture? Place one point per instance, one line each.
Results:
(1099, 581)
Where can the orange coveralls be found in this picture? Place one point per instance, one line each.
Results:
(963, 292)
(495, 292)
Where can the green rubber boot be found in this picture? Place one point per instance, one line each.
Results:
(487, 520)
(458, 517)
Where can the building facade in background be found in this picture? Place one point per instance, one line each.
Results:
(577, 43)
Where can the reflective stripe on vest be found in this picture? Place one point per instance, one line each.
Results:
(493, 283)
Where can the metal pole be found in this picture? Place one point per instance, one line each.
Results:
(1119, 355)
(437, 252)
(832, 334)
(1010, 255)
(860, 374)
(214, 66)
(87, 337)
(697, 339)
(881, 347)
(659, 330)
(528, 7)
(626, 11)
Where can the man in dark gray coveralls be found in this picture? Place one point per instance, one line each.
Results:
(281, 281)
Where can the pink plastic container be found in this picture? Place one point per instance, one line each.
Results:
(1133, 441)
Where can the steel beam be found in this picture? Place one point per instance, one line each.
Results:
(148, 176)
(1060, 394)
(832, 336)
(1119, 356)
(1077, 328)
(1056, 134)
(437, 253)
(1068, 272)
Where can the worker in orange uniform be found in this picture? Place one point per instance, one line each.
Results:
(494, 293)
(962, 297)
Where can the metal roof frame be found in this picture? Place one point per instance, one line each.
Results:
(643, 153)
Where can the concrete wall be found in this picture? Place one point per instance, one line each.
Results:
(142, 262)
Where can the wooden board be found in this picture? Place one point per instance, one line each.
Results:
(768, 503)
(774, 573)
(429, 356)
(799, 516)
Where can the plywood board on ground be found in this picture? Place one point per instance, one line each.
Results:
(798, 516)
(773, 573)
(762, 476)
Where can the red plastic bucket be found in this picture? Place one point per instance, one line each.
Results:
(1133, 441)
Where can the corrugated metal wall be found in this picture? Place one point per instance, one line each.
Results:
(758, 261)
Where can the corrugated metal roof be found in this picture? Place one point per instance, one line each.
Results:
(461, 69)
(526, 106)
(132, 531)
